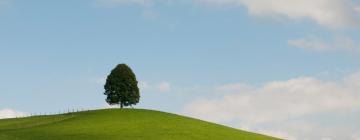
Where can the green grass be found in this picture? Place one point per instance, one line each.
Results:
(119, 124)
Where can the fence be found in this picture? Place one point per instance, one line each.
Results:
(60, 112)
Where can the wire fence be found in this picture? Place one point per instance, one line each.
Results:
(60, 112)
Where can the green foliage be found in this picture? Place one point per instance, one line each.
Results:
(121, 87)
(116, 124)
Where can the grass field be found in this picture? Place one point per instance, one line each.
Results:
(119, 124)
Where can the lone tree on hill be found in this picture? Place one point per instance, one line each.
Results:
(121, 87)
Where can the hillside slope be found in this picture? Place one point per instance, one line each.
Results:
(116, 124)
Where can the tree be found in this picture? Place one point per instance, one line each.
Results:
(121, 87)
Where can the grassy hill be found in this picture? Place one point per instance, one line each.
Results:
(116, 124)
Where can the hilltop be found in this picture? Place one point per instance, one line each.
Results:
(115, 124)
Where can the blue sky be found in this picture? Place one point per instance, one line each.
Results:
(190, 57)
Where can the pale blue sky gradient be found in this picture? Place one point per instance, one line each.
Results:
(54, 54)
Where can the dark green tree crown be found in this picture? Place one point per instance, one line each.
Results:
(121, 87)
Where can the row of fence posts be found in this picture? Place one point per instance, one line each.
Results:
(60, 112)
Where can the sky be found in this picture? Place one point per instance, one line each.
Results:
(285, 68)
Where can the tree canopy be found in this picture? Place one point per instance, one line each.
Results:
(121, 87)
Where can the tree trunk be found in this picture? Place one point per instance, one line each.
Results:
(121, 105)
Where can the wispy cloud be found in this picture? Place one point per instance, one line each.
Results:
(339, 43)
(164, 87)
(10, 113)
(329, 13)
(157, 87)
(289, 109)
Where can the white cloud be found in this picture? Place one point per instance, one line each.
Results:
(9, 113)
(109, 106)
(281, 104)
(277, 134)
(309, 43)
(143, 85)
(341, 43)
(355, 137)
(164, 87)
(294, 97)
(155, 87)
(330, 13)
